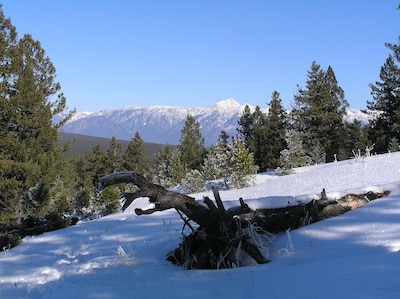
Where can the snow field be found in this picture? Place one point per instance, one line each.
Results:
(355, 255)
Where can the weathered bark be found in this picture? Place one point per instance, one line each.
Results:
(291, 217)
(209, 217)
(211, 244)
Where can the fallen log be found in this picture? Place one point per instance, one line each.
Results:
(224, 233)
(208, 217)
(211, 244)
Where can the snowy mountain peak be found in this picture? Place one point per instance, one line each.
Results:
(228, 103)
(163, 124)
(158, 124)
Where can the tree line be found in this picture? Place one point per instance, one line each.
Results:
(38, 180)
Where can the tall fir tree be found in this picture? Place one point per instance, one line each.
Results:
(191, 145)
(276, 139)
(355, 137)
(245, 127)
(254, 131)
(318, 113)
(83, 185)
(96, 164)
(114, 156)
(136, 158)
(29, 98)
(386, 100)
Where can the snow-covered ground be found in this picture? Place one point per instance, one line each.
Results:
(355, 255)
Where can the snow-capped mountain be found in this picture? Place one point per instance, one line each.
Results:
(157, 124)
(356, 114)
(163, 124)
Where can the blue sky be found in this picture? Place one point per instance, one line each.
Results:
(113, 54)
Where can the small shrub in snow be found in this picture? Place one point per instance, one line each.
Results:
(108, 201)
(193, 181)
(294, 155)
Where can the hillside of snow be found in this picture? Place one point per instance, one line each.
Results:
(355, 255)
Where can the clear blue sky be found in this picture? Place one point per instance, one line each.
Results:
(113, 54)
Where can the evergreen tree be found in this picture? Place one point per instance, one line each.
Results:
(294, 155)
(319, 111)
(191, 145)
(114, 156)
(355, 137)
(242, 163)
(83, 185)
(386, 100)
(224, 137)
(96, 164)
(135, 156)
(233, 163)
(29, 98)
(276, 132)
(178, 170)
(108, 200)
(245, 127)
(62, 193)
(217, 164)
(193, 181)
(254, 131)
(393, 145)
(168, 168)
(317, 155)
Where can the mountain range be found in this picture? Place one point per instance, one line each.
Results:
(163, 124)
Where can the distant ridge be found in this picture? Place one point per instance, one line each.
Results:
(157, 124)
(163, 124)
(82, 143)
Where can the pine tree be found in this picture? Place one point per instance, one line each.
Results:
(108, 201)
(233, 163)
(294, 155)
(193, 181)
(245, 126)
(96, 164)
(319, 111)
(317, 155)
(393, 145)
(114, 156)
(135, 156)
(224, 138)
(243, 167)
(355, 137)
(191, 145)
(276, 133)
(386, 100)
(254, 131)
(83, 185)
(168, 168)
(217, 164)
(178, 170)
(29, 98)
